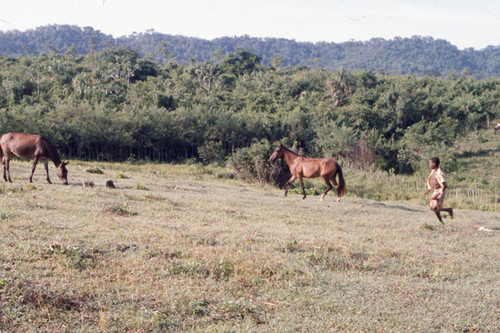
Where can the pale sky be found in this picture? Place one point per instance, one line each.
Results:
(463, 23)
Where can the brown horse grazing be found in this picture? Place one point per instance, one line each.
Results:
(305, 167)
(31, 146)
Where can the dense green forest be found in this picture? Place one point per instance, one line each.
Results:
(420, 56)
(115, 105)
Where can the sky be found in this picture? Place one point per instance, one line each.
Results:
(465, 24)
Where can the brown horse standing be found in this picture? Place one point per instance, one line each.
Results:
(31, 146)
(305, 167)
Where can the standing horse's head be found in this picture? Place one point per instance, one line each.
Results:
(62, 172)
(278, 153)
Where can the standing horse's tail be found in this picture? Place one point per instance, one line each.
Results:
(341, 187)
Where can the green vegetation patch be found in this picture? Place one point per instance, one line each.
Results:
(94, 170)
(119, 210)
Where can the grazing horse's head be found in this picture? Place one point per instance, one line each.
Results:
(278, 153)
(497, 128)
(62, 172)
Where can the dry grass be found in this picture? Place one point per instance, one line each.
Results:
(176, 249)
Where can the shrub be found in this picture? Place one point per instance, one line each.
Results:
(211, 152)
(251, 164)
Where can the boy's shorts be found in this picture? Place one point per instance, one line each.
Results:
(437, 203)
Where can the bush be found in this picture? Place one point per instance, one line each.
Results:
(251, 164)
(211, 152)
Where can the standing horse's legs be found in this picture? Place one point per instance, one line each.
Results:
(35, 161)
(288, 183)
(301, 181)
(329, 187)
(46, 164)
(336, 186)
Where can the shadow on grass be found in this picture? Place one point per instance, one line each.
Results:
(398, 207)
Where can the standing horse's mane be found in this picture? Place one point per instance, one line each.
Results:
(288, 149)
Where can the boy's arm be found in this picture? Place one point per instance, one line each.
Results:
(427, 185)
(441, 190)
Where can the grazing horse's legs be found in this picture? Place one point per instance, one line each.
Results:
(35, 161)
(6, 168)
(46, 163)
(4, 171)
(288, 183)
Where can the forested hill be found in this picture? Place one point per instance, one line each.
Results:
(421, 56)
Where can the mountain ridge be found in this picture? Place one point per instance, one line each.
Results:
(417, 55)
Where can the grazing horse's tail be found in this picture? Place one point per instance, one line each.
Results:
(341, 186)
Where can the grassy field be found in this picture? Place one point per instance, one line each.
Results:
(177, 248)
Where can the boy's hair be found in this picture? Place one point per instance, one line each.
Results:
(435, 160)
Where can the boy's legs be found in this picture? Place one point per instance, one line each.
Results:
(435, 206)
(449, 210)
(441, 209)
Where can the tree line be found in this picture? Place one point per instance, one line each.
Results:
(115, 105)
(420, 56)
